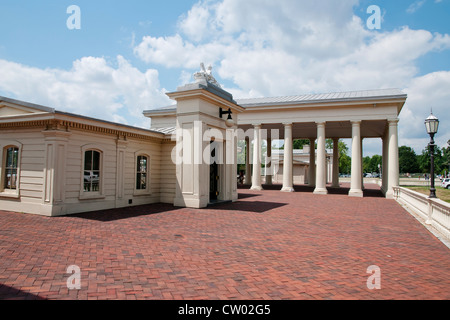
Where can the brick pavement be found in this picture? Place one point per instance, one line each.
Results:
(269, 245)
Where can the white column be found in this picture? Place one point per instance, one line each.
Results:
(256, 177)
(356, 187)
(362, 165)
(321, 171)
(248, 169)
(384, 167)
(312, 163)
(268, 163)
(335, 182)
(288, 183)
(393, 166)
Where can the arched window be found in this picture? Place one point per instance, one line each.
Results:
(141, 172)
(11, 167)
(92, 171)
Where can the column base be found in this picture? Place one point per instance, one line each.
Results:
(287, 189)
(256, 188)
(389, 195)
(356, 193)
(196, 203)
(321, 191)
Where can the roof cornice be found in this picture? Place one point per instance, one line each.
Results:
(69, 121)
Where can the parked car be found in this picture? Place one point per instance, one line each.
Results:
(446, 183)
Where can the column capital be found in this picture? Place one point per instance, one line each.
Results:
(257, 125)
(288, 124)
(356, 122)
(393, 122)
(321, 123)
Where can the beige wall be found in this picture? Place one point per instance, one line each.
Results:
(118, 181)
(299, 174)
(31, 164)
(168, 173)
(51, 171)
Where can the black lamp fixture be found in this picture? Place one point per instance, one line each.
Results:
(229, 122)
(432, 126)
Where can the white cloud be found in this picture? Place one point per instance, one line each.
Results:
(425, 93)
(268, 48)
(196, 24)
(91, 87)
(291, 47)
(175, 52)
(415, 6)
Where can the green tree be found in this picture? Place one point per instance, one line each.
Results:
(425, 162)
(345, 162)
(366, 165)
(408, 160)
(375, 163)
(446, 158)
(299, 143)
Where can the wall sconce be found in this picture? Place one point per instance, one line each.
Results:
(229, 122)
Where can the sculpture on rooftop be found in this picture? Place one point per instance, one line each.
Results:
(206, 74)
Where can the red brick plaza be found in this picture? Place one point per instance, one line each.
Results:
(269, 245)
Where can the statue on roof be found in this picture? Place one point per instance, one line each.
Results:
(206, 74)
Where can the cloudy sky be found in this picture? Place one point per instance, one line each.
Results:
(128, 54)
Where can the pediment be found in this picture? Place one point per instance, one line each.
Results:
(9, 108)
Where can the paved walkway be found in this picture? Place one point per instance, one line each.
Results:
(269, 245)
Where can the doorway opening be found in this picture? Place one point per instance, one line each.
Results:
(213, 174)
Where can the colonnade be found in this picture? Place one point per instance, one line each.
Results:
(318, 168)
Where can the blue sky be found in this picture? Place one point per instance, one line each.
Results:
(128, 54)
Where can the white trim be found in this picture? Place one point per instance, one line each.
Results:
(8, 193)
(148, 190)
(97, 194)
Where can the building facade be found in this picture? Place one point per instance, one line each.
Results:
(55, 163)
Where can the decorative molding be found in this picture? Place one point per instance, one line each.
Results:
(56, 125)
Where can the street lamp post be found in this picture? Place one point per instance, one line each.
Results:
(432, 126)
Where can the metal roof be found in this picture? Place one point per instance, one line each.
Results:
(168, 130)
(306, 98)
(323, 97)
(27, 104)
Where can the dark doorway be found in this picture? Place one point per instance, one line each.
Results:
(213, 175)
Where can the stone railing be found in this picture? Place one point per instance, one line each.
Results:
(434, 212)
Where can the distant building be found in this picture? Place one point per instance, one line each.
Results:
(301, 165)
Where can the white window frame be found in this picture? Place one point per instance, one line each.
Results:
(4, 146)
(89, 195)
(147, 191)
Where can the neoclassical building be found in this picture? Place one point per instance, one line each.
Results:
(57, 163)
